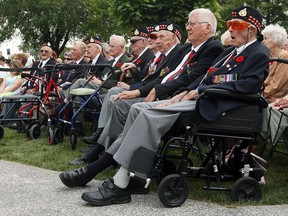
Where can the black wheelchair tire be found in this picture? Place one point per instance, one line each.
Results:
(246, 189)
(169, 194)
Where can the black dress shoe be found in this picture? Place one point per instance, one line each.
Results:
(75, 178)
(106, 194)
(94, 137)
(77, 161)
(136, 187)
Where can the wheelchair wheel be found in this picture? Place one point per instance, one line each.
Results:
(34, 131)
(1, 131)
(73, 140)
(173, 191)
(58, 135)
(168, 167)
(246, 189)
(51, 137)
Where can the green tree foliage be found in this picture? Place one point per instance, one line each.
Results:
(55, 21)
(136, 13)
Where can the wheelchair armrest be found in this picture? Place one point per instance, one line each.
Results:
(255, 99)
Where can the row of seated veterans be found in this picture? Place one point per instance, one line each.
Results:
(183, 73)
(152, 92)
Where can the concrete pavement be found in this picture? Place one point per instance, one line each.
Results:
(27, 190)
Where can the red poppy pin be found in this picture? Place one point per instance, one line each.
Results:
(118, 65)
(239, 59)
(138, 61)
(158, 60)
(212, 70)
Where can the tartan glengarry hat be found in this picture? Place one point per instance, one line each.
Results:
(140, 32)
(169, 26)
(248, 14)
(151, 28)
(93, 39)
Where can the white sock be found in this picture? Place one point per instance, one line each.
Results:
(121, 178)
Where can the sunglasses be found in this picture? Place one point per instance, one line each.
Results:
(67, 59)
(44, 51)
(153, 36)
(236, 25)
(134, 41)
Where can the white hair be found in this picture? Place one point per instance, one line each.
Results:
(205, 15)
(120, 40)
(277, 33)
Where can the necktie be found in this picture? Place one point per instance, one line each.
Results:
(88, 70)
(70, 72)
(186, 64)
(40, 64)
(162, 59)
(225, 60)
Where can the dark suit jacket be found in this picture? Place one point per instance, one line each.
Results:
(169, 64)
(142, 64)
(97, 71)
(116, 76)
(35, 71)
(72, 75)
(251, 67)
(199, 65)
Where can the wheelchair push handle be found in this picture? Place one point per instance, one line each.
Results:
(280, 60)
(214, 93)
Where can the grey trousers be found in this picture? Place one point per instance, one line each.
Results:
(145, 127)
(271, 124)
(118, 112)
(107, 104)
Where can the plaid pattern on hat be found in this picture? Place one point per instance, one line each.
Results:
(140, 32)
(151, 29)
(169, 26)
(248, 14)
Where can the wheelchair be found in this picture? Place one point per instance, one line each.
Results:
(216, 163)
(89, 104)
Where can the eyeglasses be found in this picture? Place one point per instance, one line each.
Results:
(75, 50)
(153, 36)
(113, 46)
(67, 59)
(192, 24)
(44, 51)
(134, 41)
(236, 25)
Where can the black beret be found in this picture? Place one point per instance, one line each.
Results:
(93, 39)
(248, 14)
(169, 26)
(141, 32)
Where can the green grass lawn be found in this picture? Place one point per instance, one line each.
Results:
(19, 148)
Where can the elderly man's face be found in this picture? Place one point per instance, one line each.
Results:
(115, 48)
(152, 41)
(197, 30)
(76, 52)
(92, 50)
(165, 40)
(45, 52)
(138, 44)
(239, 31)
